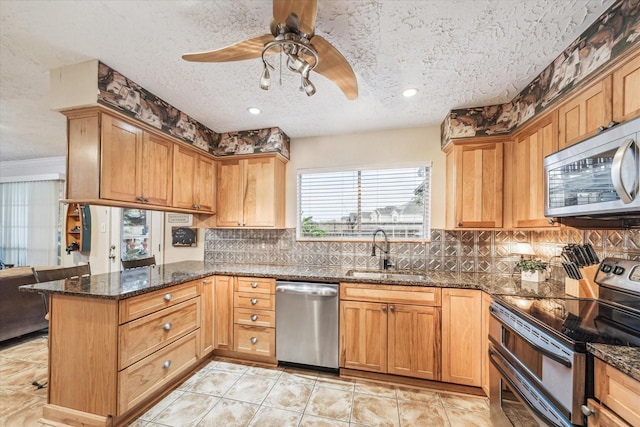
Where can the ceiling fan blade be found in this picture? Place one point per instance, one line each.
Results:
(305, 11)
(335, 67)
(247, 49)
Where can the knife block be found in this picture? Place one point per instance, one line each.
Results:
(585, 287)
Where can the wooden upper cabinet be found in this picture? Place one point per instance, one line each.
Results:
(530, 148)
(136, 165)
(474, 185)
(582, 115)
(251, 192)
(626, 91)
(194, 180)
(121, 160)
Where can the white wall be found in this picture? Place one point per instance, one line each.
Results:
(380, 148)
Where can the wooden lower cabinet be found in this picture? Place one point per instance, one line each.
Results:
(108, 356)
(603, 417)
(388, 337)
(223, 335)
(618, 392)
(484, 336)
(254, 303)
(207, 322)
(462, 336)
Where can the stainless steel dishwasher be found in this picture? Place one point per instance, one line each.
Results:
(307, 323)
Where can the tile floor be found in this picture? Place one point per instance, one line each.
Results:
(229, 394)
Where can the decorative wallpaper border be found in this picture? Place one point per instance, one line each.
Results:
(614, 33)
(125, 96)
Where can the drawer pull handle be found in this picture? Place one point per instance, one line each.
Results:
(254, 317)
(254, 301)
(254, 285)
(167, 326)
(166, 364)
(167, 297)
(254, 340)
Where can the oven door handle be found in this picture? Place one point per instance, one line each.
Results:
(561, 360)
(494, 354)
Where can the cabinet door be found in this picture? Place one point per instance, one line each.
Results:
(414, 341)
(223, 301)
(230, 193)
(528, 172)
(185, 162)
(582, 115)
(363, 336)
(602, 417)
(157, 168)
(260, 192)
(484, 335)
(205, 185)
(461, 336)
(626, 90)
(207, 322)
(478, 190)
(121, 160)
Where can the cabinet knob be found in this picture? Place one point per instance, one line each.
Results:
(167, 297)
(204, 281)
(166, 364)
(254, 285)
(140, 199)
(146, 200)
(167, 326)
(254, 340)
(459, 224)
(392, 308)
(384, 308)
(239, 223)
(552, 221)
(254, 317)
(587, 411)
(254, 301)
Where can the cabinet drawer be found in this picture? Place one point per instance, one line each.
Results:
(249, 317)
(254, 340)
(617, 391)
(150, 374)
(256, 301)
(255, 284)
(415, 295)
(150, 333)
(135, 307)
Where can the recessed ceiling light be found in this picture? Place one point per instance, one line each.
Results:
(408, 93)
(253, 110)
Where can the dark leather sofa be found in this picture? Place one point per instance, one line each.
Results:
(20, 312)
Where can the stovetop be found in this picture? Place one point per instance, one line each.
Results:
(578, 321)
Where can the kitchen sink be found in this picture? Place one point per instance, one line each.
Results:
(389, 275)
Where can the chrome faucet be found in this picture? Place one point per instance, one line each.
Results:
(385, 262)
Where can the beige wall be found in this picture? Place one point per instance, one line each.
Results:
(381, 148)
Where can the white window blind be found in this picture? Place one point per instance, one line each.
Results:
(353, 204)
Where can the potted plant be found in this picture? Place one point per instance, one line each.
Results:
(532, 270)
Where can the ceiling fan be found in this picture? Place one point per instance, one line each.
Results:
(292, 35)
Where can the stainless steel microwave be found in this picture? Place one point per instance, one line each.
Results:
(596, 178)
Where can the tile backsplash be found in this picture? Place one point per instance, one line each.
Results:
(485, 251)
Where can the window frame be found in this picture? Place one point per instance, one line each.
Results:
(426, 228)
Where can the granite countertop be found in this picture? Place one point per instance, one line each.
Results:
(623, 358)
(137, 281)
(129, 283)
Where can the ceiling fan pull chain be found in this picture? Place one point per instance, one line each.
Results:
(280, 77)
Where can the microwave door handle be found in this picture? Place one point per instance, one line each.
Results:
(616, 171)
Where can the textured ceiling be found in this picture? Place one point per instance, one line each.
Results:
(458, 53)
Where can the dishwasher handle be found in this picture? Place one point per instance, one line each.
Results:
(306, 289)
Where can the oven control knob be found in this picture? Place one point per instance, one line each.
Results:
(618, 270)
(587, 411)
(606, 268)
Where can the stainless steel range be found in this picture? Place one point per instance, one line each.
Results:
(541, 373)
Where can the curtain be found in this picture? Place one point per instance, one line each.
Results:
(30, 222)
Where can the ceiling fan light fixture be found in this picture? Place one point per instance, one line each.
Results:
(409, 92)
(265, 78)
(308, 87)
